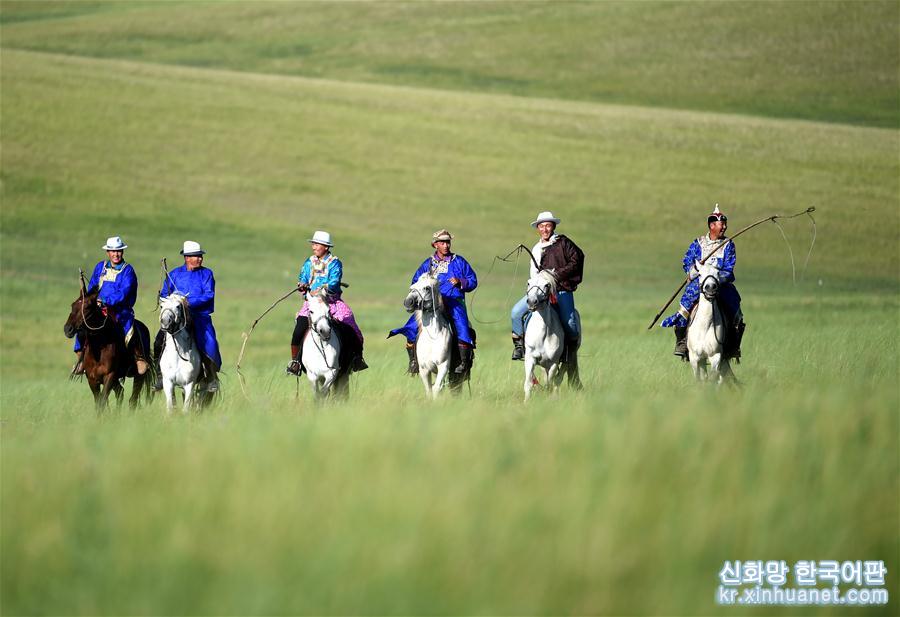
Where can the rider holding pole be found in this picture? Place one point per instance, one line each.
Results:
(714, 241)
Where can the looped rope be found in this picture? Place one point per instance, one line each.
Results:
(506, 259)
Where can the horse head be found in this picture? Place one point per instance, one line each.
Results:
(84, 310)
(173, 313)
(424, 295)
(541, 287)
(319, 315)
(709, 279)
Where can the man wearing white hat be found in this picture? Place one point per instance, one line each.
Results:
(726, 258)
(198, 284)
(557, 253)
(457, 278)
(322, 273)
(118, 287)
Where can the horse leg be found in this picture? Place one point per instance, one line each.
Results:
(529, 375)
(136, 387)
(425, 375)
(190, 394)
(714, 362)
(554, 377)
(108, 381)
(443, 369)
(695, 366)
(169, 391)
(95, 390)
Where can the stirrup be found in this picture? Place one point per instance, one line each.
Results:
(294, 368)
(77, 371)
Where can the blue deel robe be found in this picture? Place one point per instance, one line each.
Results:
(726, 260)
(118, 291)
(454, 298)
(330, 279)
(199, 286)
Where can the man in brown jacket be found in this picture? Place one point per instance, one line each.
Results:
(559, 254)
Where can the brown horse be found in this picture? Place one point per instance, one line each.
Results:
(106, 359)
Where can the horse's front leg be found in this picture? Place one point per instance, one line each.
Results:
(443, 369)
(190, 389)
(529, 376)
(714, 361)
(554, 378)
(699, 374)
(96, 391)
(169, 391)
(109, 382)
(425, 376)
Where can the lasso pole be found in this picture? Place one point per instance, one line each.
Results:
(246, 335)
(703, 261)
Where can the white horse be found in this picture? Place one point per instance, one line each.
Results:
(433, 351)
(544, 335)
(180, 361)
(322, 350)
(706, 331)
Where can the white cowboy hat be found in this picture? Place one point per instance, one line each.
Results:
(321, 237)
(191, 249)
(114, 243)
(545, 217)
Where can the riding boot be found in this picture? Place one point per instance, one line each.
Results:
(681, 341)
(140, 358)
(359, 364)
(413, 368)
(465, 359)
(209, 372)
(518, 347)
(159, 343)
(295, 367)
(78, 368)
(738, 334)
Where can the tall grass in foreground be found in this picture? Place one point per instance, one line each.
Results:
(609, 501)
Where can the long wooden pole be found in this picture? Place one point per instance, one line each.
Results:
(703, 261)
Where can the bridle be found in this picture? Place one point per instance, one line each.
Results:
(179, 318)
(543, 296)
(425, 296)
(84, 317)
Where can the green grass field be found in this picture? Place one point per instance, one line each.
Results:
(247, 126)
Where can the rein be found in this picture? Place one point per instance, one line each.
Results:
(84, 317)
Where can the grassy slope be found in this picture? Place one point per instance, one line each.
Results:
(625, 499)
(832, 61)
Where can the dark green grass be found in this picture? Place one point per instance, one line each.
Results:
(833, 61)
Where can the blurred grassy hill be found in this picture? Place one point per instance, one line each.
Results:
(830, 61)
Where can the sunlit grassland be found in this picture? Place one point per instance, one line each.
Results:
(624, 498)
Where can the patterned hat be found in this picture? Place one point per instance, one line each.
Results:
(716, 215)
(114, 243)
(441, 236)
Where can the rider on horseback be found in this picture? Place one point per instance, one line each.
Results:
(562, 257)
(118, 287)
(322, 273)
(456, 278)
(725, 259)
(198, 285)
